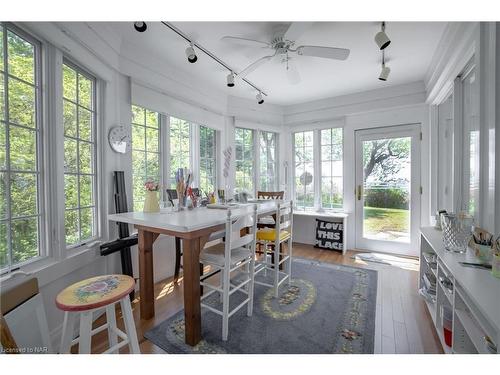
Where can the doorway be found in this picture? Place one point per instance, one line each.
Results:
(388, 189)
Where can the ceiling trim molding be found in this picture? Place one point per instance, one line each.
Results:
(455, 49)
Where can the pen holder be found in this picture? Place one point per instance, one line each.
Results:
(482, 252)
(495, 265)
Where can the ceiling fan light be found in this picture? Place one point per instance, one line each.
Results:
(259, 98)
(230, 80)
(140, 26)
(384, 74)
(191, 54)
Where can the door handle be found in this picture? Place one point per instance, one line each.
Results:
(359, 192)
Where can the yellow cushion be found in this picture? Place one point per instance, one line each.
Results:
(269, 234)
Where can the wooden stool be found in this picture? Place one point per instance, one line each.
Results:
(93, 294)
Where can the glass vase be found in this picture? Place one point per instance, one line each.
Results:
(457, 231)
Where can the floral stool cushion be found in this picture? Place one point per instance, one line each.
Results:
(95, 292)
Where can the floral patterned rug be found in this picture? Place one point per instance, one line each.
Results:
(326, 308)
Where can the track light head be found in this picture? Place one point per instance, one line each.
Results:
(191, 54)
(384, 74)
(381, 38)
(140, 26)
(259, 98)
(230, 80)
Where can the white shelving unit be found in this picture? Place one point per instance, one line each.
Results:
(472, 294)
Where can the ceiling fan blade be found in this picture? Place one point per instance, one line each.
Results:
(250, 68)
(244, 41)
(325, 52)
(296, 30)
(292, 74)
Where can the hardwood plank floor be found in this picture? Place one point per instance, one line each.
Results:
(402, 325)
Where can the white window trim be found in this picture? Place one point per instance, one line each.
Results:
(54, 256)
(161, 146)
(317, 206)
(43, 247)
(197, 158)
(256, 133)
(98, 165)
(257, 160)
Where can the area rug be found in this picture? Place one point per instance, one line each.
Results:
(326, 309)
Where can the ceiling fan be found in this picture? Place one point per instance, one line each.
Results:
(283, 45)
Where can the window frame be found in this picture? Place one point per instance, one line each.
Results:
(40, 149)
(255, 163)
(331, 177)
(276, 160)
(317, 168)
(170, 179)
(96, 157)
(215, 158)
(161, 122)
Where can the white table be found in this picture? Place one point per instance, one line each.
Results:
(194, 227)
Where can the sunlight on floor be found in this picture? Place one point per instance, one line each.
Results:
(167, 289)
(395, 261)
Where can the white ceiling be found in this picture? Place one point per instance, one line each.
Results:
(409, 55)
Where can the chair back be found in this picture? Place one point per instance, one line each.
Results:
(283, 218)
(241, 229)
(171, 195)
(270, 194)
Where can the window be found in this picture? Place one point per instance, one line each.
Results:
(318, 165)
(20, 180)
(331, 168)
(145, 152)
(470, 108)
(268, 161)
(180, 146)
(303, 152)
(80, 177)
(208, 164)
(244, 159)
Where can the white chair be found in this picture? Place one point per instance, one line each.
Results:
(272, 244)
(236, 252)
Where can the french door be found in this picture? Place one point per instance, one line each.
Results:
(388, 189)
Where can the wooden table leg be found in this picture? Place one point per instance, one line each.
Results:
(146, 291)
(192, 308)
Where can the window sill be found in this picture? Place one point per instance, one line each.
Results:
(47, 270)
(324, 213)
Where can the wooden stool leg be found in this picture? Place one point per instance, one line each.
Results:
(128, 320)
(178, 256)
(111, 320)
(67, 332)
(85, 332)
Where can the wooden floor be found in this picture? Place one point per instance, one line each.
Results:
(403, 324)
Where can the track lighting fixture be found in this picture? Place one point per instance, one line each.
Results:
(259, 98)
(381, 38)
(192, 57)
(191, 54)
(140, 26)
(384, 74)
(230, 80)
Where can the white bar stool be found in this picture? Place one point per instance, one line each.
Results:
(87, 296)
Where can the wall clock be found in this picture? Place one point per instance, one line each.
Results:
(119, 139)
